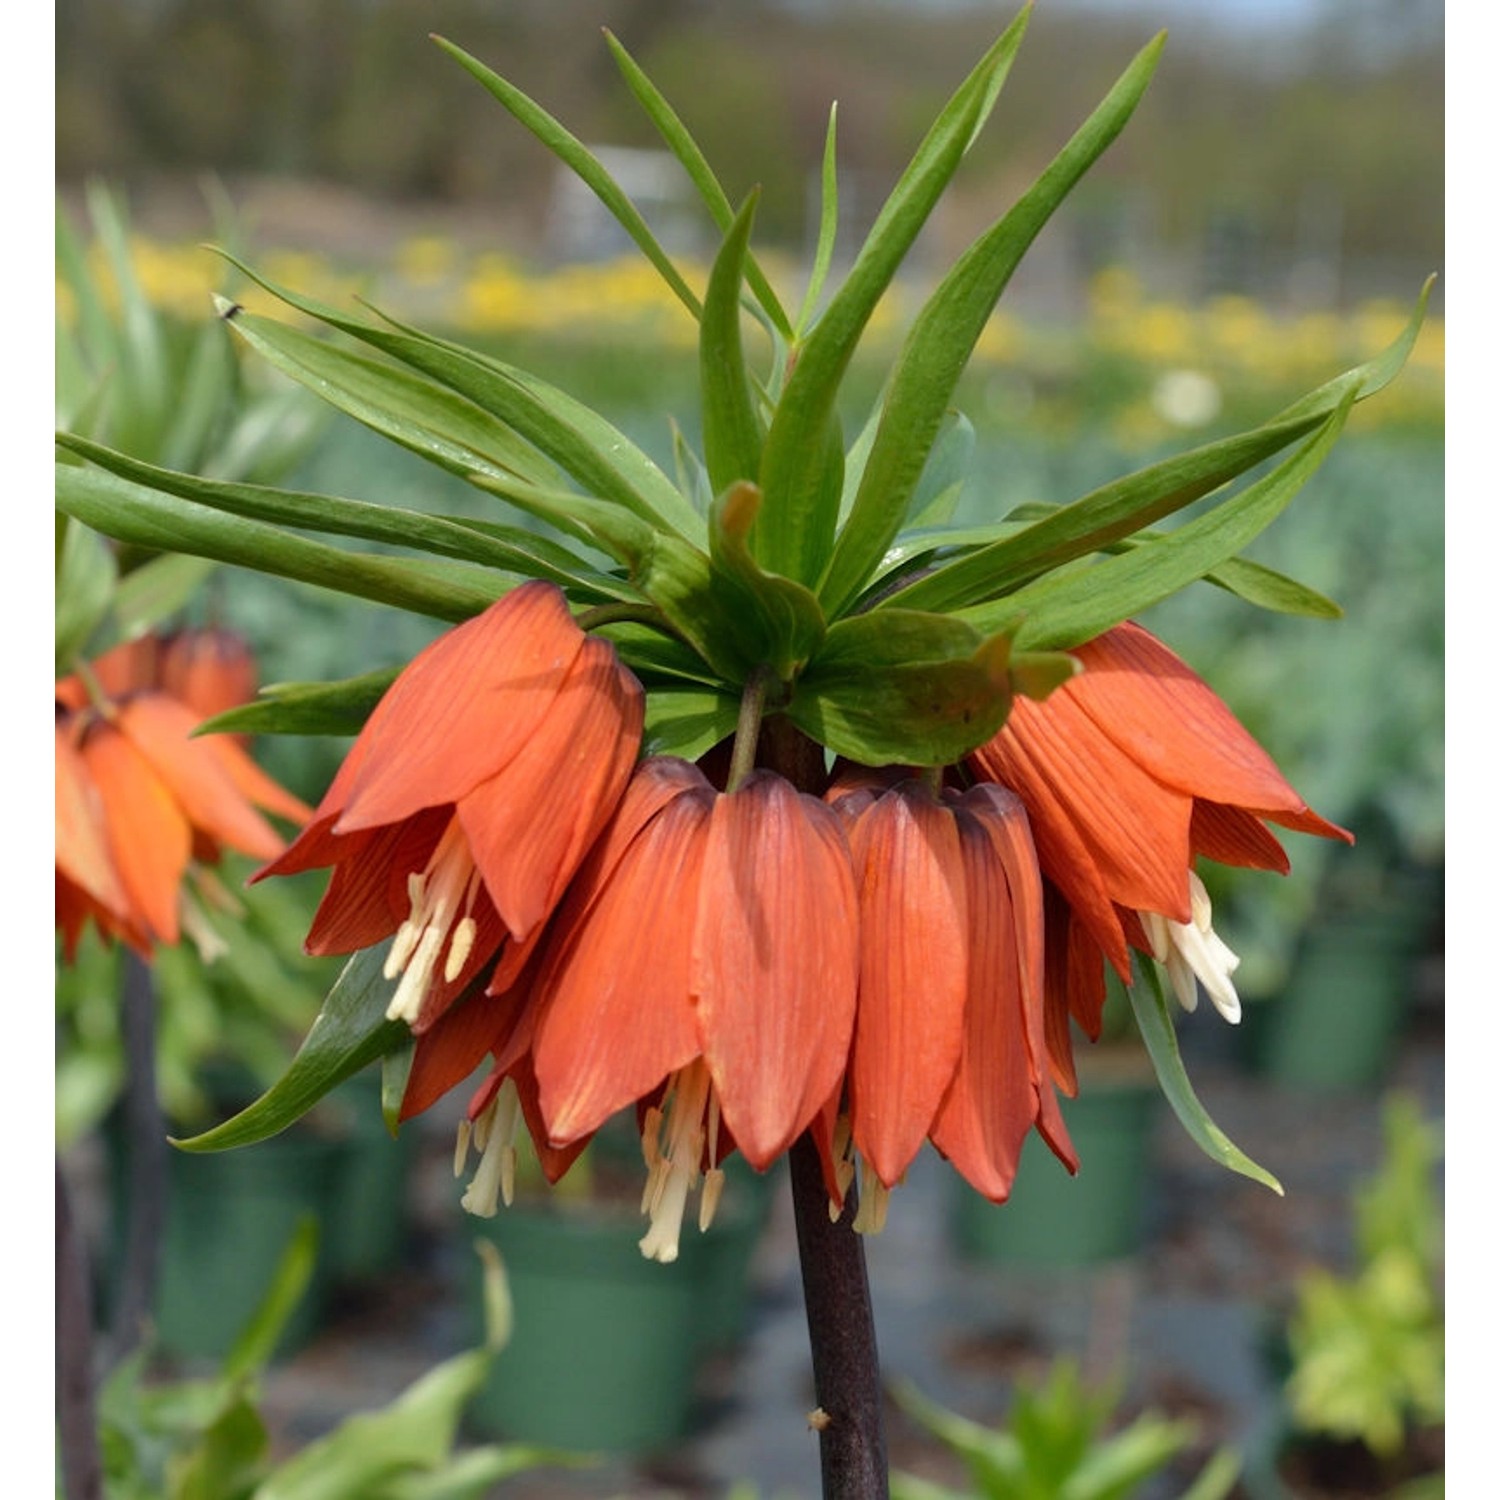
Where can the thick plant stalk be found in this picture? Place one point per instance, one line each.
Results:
(77, 1436)
(841, 1328)
(850, 1417)
(146, 1156)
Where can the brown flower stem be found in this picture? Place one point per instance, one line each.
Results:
(850, 1418)
(77, 1436)
(146, 1156)
(841, 1328)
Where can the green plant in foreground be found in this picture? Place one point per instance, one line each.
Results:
(1367, 1349)
(204, 1439)
(1056, 1446)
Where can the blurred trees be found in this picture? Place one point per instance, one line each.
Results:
(1332, 139)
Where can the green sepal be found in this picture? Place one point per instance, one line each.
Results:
(903, 687)
(681, 144)
(941, 341)
(582, 162)
(657, 659)
(781, 620)
(687, 721)
(164, 523)
(1074, 605)
(731, 430)
(306, 707)
(350, 1032)
(84, 589)
(485, 543)
(796, 533)
(682, 582)
(1154, 1019)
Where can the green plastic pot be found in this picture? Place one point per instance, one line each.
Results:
(729, 1246)
(605, 1345)
(230, 1216)
(1052, 1219)
(1338, 1021)
(369, 1222)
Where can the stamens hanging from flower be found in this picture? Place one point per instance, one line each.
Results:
(447, 884)
(494, 1133)
(1193, 952)
(676, 1139)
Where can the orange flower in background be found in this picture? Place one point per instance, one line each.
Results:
(470, 797)
(702, 968)
(140, 801)
(949, 1036)
(1128, 772)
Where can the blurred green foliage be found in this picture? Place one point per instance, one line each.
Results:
(1367, 1349)
(1057, 1444)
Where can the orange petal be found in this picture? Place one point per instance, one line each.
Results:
(251, 782)
(1066, 860)
(775, 961)
(1167, 720)
(463, 708)
(124, 669)
(456, 1045)
(161, 729)
(82, 849)
(993, 1101)
(149, 838)
(530, 826)
(913, 973)
(1233, 836)
(616, 1017)
(1002, 816)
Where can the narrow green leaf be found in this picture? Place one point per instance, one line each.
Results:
(151, 594)
(687, 721)
(600, 458)
(395, 1072)
(488, 543)
(692, 473)
(306, 707)
(731, 431)
(147, 518)
(682, 145)
(899, 687)
(96, 330)
(1155, 1022)
(658, 659)
(580, 160)
(796, 531)
(601, 523)
(351, 1032)
(1126, 505)
(1072, 606)
(944, 335)
(1251, 581)
(436, 424)
(206, 391)
(683, 584)
(938, 490)
(828, 224)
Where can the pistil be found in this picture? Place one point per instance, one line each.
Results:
(447, 886)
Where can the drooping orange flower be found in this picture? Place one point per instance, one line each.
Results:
(949, 1035)
(1128, 772)
(470, 797)
(141, 801)
(702, 967)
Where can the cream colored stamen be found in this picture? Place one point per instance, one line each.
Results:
(843, 1165)
(874, 1201)
(1193, 953)
(437, 894)
(494, 1181)
(672, 1141)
